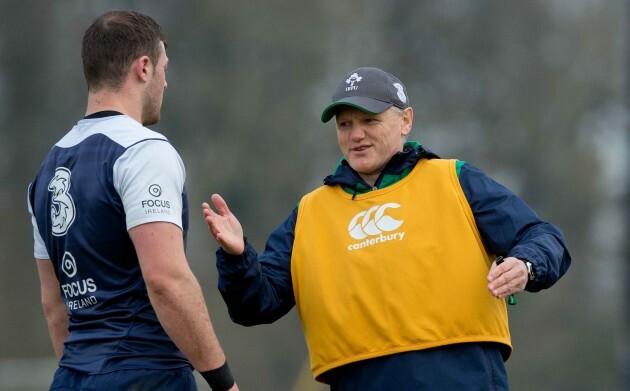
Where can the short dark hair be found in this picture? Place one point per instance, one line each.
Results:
(113, 41)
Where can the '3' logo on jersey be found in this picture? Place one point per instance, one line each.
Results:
(62, 210)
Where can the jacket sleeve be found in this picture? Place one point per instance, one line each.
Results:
(509, 227)
(258, 289)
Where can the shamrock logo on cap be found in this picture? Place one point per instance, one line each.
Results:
(353, 78)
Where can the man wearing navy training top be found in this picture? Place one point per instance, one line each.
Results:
(110, 216)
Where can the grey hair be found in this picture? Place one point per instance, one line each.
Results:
(401, 112)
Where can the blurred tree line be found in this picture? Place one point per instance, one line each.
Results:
(532, 92)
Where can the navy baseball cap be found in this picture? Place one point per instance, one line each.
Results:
(368, 89)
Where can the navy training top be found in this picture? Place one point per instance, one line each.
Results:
(107, 175)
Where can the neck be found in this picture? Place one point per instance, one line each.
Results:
(121, 100)
(370, 179)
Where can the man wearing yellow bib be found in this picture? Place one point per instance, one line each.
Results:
(391, 262)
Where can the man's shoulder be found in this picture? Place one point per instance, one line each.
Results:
(439, 165)
(319, 190)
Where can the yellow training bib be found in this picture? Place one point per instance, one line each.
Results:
(397, 269)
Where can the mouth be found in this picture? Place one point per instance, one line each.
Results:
(360, 148)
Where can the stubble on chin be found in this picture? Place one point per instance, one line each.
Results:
(150, 120)
(150, 113)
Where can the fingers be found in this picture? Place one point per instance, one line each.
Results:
(223, 225)
(208, 213)
(212, 219)
(507, 278)
(220, 204)
(206, 210)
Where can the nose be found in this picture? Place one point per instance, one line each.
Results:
(357, 132)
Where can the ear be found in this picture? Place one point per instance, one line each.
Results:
(407, 121)
(143, 68)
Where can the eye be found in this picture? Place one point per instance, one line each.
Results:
(343, 125)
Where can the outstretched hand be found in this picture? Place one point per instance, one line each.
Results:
(224, 226)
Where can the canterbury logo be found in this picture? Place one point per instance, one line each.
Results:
(373, 221)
